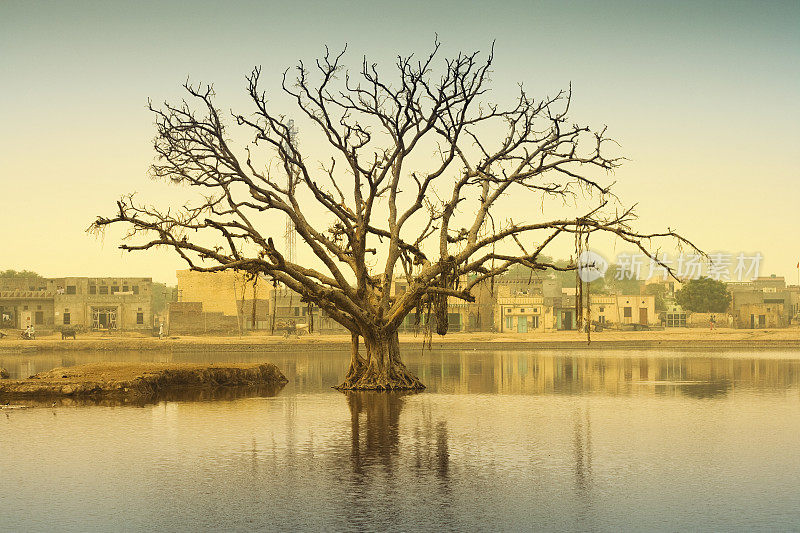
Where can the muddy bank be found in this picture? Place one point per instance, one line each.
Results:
(144, 381)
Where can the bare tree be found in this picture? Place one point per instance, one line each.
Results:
(438, 227)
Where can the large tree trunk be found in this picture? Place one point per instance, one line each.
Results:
(382, 369)
(357, 364)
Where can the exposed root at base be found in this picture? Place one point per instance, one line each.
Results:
(397, 378)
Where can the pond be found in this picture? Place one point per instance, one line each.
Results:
(548, 441)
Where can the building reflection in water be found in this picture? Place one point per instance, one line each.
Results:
(615, 373)
(610, 372)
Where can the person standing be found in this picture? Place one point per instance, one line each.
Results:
(161, 331)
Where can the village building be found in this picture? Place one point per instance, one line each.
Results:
(624, 309)
(81, 303)
(230, 302)
(522, 313)
(764, 302)
(526, 313)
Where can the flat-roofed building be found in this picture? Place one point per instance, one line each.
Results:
(105, 303)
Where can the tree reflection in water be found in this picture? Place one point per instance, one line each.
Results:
(380, 438)
(375, 432)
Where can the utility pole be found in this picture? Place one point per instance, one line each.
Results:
(290, 234)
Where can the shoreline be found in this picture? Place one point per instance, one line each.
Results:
(673, 339)
(140, 381)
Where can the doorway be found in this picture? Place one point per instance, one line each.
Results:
(104, 318)
(566, 320)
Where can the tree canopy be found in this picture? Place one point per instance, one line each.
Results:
(18, 274)
(704, 295)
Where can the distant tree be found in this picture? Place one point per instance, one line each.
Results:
(161, 295)
(704, 295)
(659, 291)
(614, 284)
(18, 274)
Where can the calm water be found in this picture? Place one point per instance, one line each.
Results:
(601, 440)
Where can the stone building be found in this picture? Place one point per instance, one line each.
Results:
(523, 313)
(759, 315)
(754, 303)
(230, 302)
(76, 302)
(624, 309)
(104, 303)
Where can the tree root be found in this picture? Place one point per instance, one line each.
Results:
(397, 377)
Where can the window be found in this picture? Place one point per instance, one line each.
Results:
(601, 319)
(140, 318)
(627, 312)
(39, 317)
(25, 308)
(602, 308)
(72, 289)
(522, 310)
(676, 320)
(534, 322)
(103, 289)
(509, 322)
(304, 311)
(114, 289)
(124, 288)
(296, 311)
(135, 289)
(508, 310)
(66, 317)
(535, 309)
(92, 289)
(39, 308)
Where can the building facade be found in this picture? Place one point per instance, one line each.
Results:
(230, 302)
(764, 302)
(99, 304)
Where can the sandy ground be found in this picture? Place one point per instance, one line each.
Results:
(678, 337)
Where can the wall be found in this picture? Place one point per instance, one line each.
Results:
(703, 320)
(189, 318)
(773, 316)
(220, 291)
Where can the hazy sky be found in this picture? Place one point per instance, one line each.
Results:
(702, 96)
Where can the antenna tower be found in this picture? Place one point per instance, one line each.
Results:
(290, 234)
